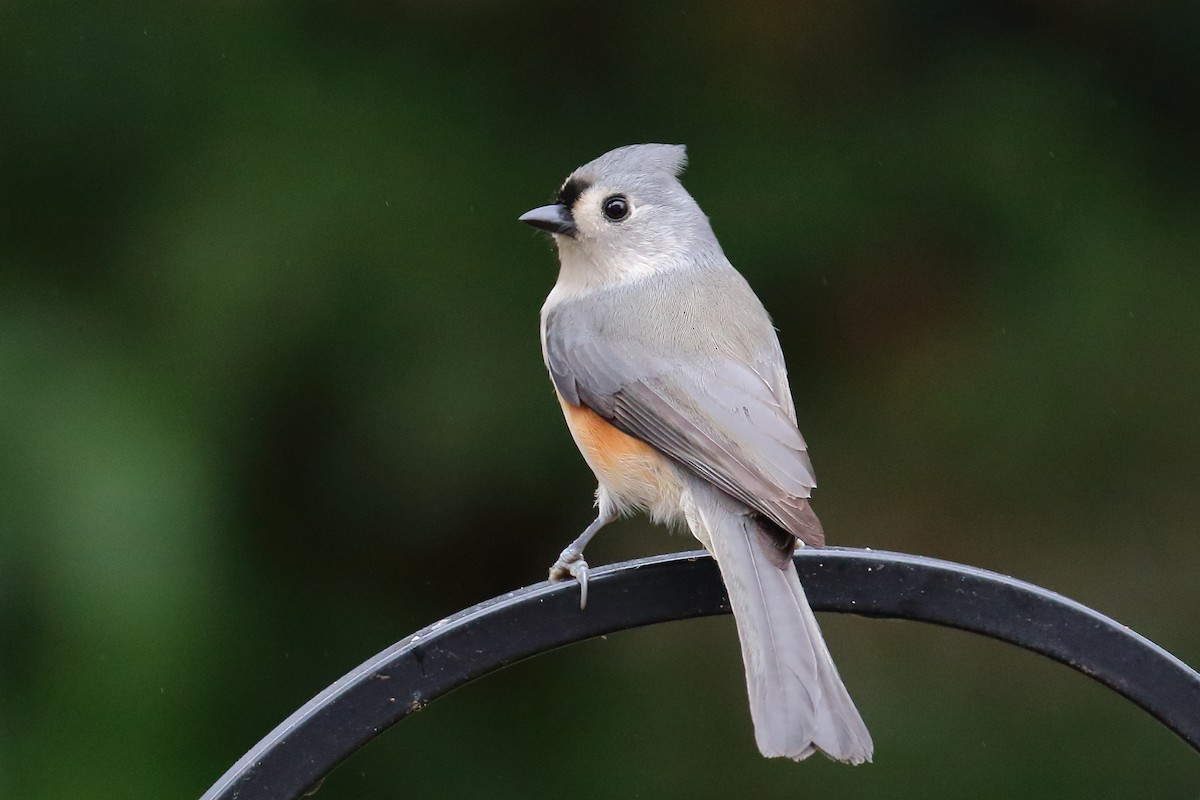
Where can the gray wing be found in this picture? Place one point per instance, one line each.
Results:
(720, 418)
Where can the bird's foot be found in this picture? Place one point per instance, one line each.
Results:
(570, 565)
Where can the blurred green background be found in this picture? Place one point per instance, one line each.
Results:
(271, 395)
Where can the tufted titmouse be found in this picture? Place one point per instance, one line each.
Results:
(672, 382)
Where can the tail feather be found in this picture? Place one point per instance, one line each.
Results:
(797, 699)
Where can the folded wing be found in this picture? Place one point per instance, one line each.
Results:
(726, 421)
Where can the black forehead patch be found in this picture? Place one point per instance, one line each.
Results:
(571, 190)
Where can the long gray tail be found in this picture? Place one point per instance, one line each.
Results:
(797, 700)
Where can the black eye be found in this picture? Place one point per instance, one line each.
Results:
(616, 208)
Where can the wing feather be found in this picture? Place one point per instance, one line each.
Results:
(719, 418)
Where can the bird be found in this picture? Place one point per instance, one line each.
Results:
(673, 384)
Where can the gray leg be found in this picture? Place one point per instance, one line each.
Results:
(570, 562)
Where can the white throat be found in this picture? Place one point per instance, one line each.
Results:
(580, 273)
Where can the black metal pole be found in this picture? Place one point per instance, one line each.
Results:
(295, 756)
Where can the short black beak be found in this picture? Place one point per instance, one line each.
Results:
(555, 218)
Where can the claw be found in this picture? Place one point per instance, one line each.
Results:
(571, 565)
(570, 562)
(580, 570)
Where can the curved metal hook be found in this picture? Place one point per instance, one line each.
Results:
(404, 678)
